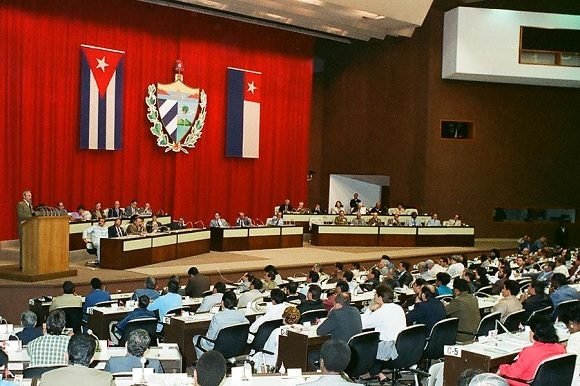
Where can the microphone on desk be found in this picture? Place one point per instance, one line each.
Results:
(257, 219)
(143, 362)
(90, 332)
(161, 212)
(187, 223)
(200, 222)
(503, 327)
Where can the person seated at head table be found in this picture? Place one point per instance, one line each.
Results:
(341, 219)
(98, 211)
(146, 210)
(433, 221)
(243, 220)
(136, 226)
(374, 220)
(115, 211)
(277, 220)
(337, 208)
(153, 225)
(218, 221)
(358, 220)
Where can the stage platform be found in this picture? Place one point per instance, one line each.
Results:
(219, 266)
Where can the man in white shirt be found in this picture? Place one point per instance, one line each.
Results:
(275, 311)
(254, 293)
(456, 268)
(215, 298)
(94, 234)
(433, 221)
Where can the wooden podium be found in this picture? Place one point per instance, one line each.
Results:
(45, 253)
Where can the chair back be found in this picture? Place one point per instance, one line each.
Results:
(147, 324)
(106, 303)
(231, 340)
(546, 311)
(410, 344)
(558, 370)
(444, 332)
(487, 323)
(174, 311)
(312, 315)
(37, 371)
(263, 333)
(486, 290)
(513, 320)
(74, 318)
(363, 351)
(564, 306)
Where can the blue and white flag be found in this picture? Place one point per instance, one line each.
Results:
(101, 98)
(243, 120)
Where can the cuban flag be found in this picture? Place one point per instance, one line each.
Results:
(243, 120)
(101, 98)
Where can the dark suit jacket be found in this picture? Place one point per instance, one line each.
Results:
(310, 305)
(28, 334)
(427, 313)
(405, 279)
(113, 232)
(341, 324)
(197, 285)
(114, 213)
(534, 303)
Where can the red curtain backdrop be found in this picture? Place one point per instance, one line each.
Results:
(39, 114)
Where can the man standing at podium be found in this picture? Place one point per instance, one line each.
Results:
(25, 211)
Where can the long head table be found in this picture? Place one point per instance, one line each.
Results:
(261, 237)
(394, 236)
(135, 251)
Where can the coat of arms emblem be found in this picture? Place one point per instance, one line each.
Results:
(176, 112)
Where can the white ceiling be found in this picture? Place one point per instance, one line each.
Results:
(339, 19)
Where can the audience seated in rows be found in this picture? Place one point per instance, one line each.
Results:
(428, 310)
(210, 369)
(509, 303)
(466, 308)
(255, 292)
(273, 312)
(97, 295)
(214, 299)
(138, 313)
(292, 293)
(334, 358)
(313, 301)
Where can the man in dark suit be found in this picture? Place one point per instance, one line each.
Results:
(24, 211)
(536, 298)
(404, 278)
(116, 230)
(343, 321)
(30, 331)
(197, 283)
(428, 311)
(116, 211)
(312, 302)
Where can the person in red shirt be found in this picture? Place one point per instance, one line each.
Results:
(545, 345)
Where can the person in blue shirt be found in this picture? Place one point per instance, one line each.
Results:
(441, 282)
(166, 302)
(150, 290)
(97, 295)
(562, 291)
(138, 313)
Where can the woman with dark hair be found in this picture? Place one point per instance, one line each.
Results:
(545, 345)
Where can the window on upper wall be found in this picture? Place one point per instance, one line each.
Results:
(534, 215)
(452, 129)
(550, 46)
